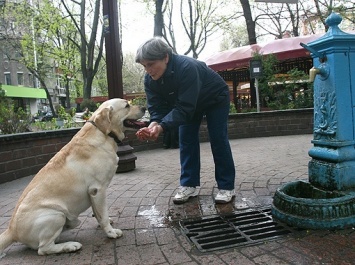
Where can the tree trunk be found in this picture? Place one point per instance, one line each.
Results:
(43, 85)
(250, 23)
(158, 18)
(67, 94)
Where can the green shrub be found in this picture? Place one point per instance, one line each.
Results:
(88, 103)
(12, 119)
(140, 101)
(67, 116)
(232, 108)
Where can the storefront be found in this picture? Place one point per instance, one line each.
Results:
(27, 98)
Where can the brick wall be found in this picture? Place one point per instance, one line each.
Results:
(26, 153)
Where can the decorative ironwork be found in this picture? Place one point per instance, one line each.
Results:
(325, 123)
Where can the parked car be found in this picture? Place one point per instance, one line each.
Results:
(43, 116)
(47, 117)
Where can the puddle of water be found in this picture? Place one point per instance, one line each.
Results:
(208, 209)
(241, 205)
(149, 212)
(155, 217)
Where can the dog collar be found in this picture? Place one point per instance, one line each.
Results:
(111, 134)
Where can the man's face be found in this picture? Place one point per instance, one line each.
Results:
(155, 68)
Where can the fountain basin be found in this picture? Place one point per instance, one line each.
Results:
(301, 204)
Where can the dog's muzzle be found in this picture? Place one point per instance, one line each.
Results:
(134, 124)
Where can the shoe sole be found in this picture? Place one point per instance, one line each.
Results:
(183, 201)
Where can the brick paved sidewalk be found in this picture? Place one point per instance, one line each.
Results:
(140, 203)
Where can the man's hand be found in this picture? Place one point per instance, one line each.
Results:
(143, 134)
(151, 132)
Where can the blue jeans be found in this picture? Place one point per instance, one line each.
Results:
(217, 125)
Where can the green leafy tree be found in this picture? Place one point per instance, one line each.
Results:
(91, 42)
(100, 79)
(133, 74)
(43, 41)
(269, 63)
(291, 91)
(283, 91)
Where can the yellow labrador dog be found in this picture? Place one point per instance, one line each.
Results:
(73, 180)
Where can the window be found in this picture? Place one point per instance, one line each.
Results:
(31, 81)
(7, 79)
(20, 79)
(17, 55)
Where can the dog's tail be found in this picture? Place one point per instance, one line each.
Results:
(6, 240)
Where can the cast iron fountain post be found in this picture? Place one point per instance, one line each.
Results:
(327, 201)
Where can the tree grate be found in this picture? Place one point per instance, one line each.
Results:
(238, 229)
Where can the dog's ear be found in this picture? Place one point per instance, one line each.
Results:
(103, 119)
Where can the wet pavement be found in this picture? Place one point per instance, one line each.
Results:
(140, 203)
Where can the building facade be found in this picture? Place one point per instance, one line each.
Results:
(17, 81)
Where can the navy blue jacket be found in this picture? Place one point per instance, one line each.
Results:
(187, 88)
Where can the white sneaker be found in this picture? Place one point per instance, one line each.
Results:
(184, 194)
(224, 196)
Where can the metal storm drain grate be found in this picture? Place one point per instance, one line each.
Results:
(233, 230)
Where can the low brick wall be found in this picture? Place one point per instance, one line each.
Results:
(25, 154)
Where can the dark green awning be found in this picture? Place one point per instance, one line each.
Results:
(23, 92)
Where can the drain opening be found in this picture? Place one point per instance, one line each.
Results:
(238, 229)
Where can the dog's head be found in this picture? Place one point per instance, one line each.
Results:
(115, 116)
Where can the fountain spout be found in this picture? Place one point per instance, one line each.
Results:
(323, 71)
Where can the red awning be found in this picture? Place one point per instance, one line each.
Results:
(234, 58)
(287, 48)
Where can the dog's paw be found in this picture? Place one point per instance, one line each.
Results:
(71, 246)
(59, 248)
(114, 233)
